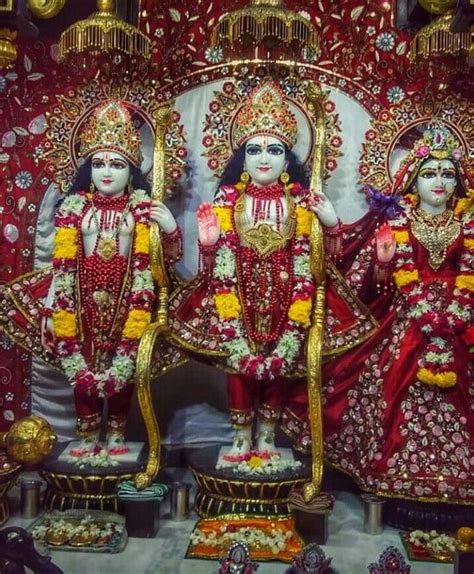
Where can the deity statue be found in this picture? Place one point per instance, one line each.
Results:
(399, 407)
(101, 296)
(251, 304)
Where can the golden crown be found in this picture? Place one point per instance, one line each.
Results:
(110, 128)
(265, 112)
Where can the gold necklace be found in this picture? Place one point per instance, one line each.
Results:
(106, 243)
(263, 237)
(436, 233)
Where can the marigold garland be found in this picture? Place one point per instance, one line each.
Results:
(224, 215)
(64, 324)
(303, 221)
(65, 243)
(300, 312)
(142, 239)
(69, 348)
(137, 321)
(227, 305)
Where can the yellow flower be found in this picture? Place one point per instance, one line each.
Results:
(303, 221)
(224, 215)
(463, 205)
(255, 462)
(65, 243)
(442, 380)
(64, 324)
(227, 305)
(403, 278)
(401, 236)
(137, 321)
(142, 238)
(469, 244)
(300, 312)
(465, 282)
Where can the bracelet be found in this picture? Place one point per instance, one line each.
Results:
(172, 237)
(335, 229)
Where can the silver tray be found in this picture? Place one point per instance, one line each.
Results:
(116, 544)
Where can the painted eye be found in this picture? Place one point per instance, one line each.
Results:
(428, 174)
(118, 165)
(276, 150)
(97, 163)
(253, 150)
(448, 174)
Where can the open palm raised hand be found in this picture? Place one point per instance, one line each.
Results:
(208, 225)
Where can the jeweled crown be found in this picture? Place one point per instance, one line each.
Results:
(265, 112)
(110, 128)
(391, 561)
(438, 142)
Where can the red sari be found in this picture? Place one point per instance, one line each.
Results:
(392, 433)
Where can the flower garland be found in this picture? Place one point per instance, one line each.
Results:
(276, 540)
(435, 542)
(228, 306)
(437, 362)
(64, 317)
(260, 463)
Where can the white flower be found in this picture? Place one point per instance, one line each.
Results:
(73, 204)
(288, 347)
(122, 367)
(395, 94)
(65, 283)
(385, 41)
(301, 265)
(139, 196)
(143, 280)
(72, 364)
(370, 30)
(224, 263)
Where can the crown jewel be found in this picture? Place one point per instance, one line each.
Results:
(438, 142)
(110, 128)
(391, 561)
(265, 112)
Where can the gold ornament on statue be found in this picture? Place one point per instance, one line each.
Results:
(264, 28)
(110, 128)
(437, 40)
(29, 440)
(285, 178)
(265, 112)
(107, 42)
(8, 51)
(244, 177)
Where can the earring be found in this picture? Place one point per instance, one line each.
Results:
(129, 187)
(244, 177)
(285, 177)
(92, 187)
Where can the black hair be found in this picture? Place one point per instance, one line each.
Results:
(82, 180)
(235, 166)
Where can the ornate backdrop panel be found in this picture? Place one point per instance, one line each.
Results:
(364, 72)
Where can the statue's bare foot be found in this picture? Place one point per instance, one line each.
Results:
(116, 445)
(266, 440)
(87, 445)
(241, 446)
